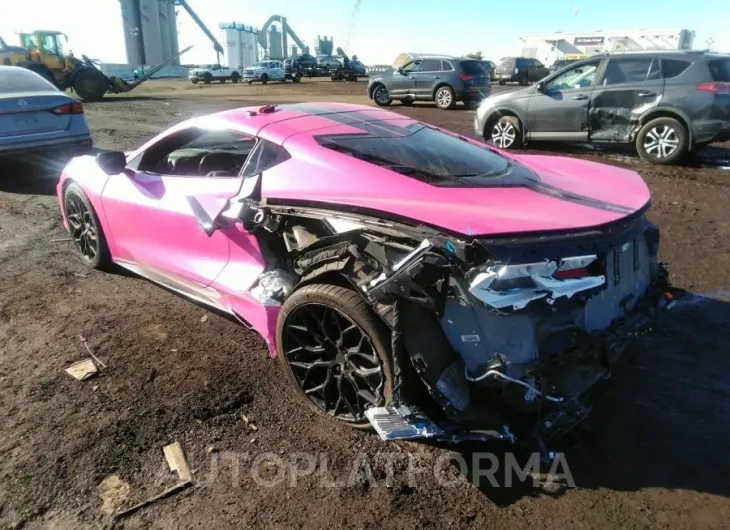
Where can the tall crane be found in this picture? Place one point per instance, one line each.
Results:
(351, 24)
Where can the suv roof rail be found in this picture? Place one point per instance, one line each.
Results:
(638, 52)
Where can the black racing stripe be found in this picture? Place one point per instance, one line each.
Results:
(569, 196)
(315, 109)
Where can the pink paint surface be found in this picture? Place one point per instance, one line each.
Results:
(150, 227)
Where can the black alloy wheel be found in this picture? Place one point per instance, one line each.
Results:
(333, 354)
(84, 227)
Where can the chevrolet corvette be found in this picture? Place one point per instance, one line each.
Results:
(408, 278)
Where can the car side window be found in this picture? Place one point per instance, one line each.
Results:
(431, 65)
(446, 66)
(216, 67)
(264, 156)
(412, 67)
(581, 76)
(633, 70)
(674, 67)
(537, 64)
(197, 152)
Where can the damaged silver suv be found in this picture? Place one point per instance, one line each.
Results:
(665, 103)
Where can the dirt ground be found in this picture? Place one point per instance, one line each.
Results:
(653, 454)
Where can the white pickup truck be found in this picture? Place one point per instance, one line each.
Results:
(265, 71)
(213, 72)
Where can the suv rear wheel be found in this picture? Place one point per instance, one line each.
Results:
(662, 141)
(445, 98)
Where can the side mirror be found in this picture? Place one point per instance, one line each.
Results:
(111, 162)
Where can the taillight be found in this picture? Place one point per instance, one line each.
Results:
(715, 88)
(69, 108)
(466, 77)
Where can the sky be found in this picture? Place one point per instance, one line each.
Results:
(383, 28)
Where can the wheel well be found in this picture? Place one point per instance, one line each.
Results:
(441, 85)
(372, 88)
(498, 114)
(666, 114)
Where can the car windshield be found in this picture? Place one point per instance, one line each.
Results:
(475, 67)
(263, 64)
(419, 151)
(13, 79)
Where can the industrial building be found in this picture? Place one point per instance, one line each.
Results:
(272, 38)
(150, 31)
(549, 47)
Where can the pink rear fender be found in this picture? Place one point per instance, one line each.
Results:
(84, 171)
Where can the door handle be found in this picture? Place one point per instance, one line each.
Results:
(646, 94)
(580, 97)
(436, 77)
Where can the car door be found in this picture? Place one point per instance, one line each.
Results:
(404, 81)
(427, 77)
(276, 70)
(628, 88)
(558, 109)
(155, 229)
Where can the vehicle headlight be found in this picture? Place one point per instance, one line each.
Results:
(502, 286)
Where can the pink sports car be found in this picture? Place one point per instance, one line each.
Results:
(408, 278)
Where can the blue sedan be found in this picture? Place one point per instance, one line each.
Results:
(38, 120)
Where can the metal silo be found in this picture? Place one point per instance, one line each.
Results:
(164, 28)
(172, 28)
(151, 36)
(275, 50)
(132, 26)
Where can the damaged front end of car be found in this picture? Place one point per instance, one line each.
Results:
(496, 338)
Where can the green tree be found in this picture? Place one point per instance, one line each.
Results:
(476, 55)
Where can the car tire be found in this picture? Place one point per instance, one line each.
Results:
(249, 82)
(235, 78)
(524, 79)
(264, 79)
(505, 133)
(662, 141)
(194, 81)
(90, 84)
(381, 96)
(407, 102)
(324, 323)
(445, 98)
(207, 79)
(84, 227)
(502, 82)
(297, 78)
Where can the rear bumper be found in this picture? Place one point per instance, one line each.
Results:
(711, 131)
(74, 146)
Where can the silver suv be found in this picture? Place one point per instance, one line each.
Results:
(665, 103)
(444, 80)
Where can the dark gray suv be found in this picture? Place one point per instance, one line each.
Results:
(444, 80)
(666, 103)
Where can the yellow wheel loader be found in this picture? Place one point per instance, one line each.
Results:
(42, 52)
